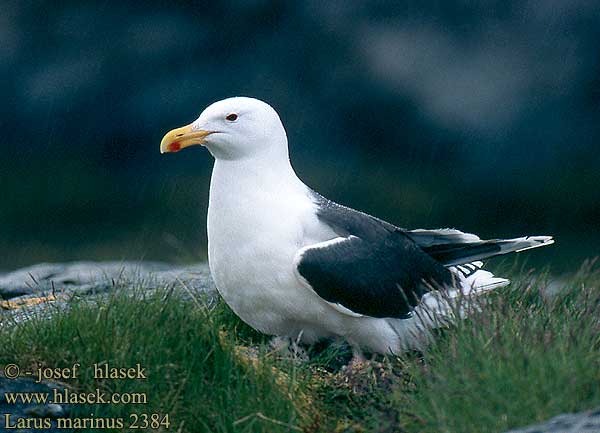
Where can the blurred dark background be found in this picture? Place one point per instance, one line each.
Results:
(482, 116)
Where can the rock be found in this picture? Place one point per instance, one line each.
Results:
(582, 422)
(86, 277)
(32, 410)
(51, 410)
(36, 288)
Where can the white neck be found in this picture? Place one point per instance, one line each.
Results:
(270, 170)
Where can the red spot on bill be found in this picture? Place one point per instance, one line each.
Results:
(174, 147)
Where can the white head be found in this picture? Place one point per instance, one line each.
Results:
(232, 129)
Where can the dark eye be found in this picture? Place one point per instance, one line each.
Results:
(232, 117)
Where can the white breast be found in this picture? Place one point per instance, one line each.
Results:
(257, 221)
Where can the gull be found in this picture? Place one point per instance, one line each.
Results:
(293, 264)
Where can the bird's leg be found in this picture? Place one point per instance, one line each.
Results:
(297, 351)
(358, 359)
(354, 373)
(289, 347)
(279, 344)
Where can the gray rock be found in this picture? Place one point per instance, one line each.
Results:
(86, 277)
(583, 422)
(29, 410)
(40, 288)
(52, 410)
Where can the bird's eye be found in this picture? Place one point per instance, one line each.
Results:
(232, 117)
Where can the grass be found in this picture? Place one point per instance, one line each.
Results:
(521, 360)
(195, 373)
(525, 357)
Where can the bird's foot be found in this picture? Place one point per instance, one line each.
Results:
(355, 368)
(363, 375)
(357, 362)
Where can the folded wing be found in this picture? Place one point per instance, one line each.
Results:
(377, 278)
(453, 247)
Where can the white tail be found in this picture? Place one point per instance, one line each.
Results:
(438, 308)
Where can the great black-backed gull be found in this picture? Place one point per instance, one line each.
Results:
(292, 263)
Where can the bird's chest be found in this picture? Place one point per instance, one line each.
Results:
(253, 237)
(246, 238)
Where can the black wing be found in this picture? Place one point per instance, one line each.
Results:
(373, 269)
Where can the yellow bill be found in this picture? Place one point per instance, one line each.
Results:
(180, 138)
